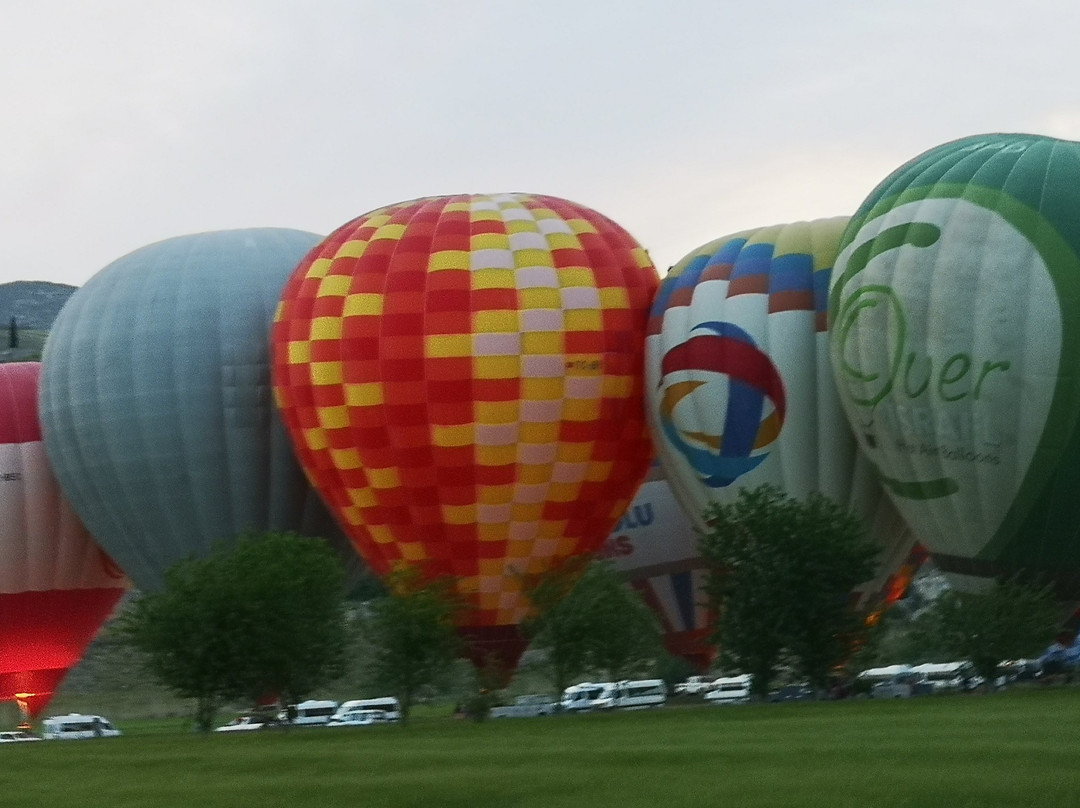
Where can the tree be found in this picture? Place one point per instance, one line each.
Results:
(13, 334)
(781, 574)
(1009, 620)
(411, 637)
(263, 617)
(589, 622)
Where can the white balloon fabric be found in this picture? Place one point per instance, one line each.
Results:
(739, 384)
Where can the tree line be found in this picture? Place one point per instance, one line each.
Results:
(269, 618)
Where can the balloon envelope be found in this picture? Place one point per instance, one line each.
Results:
(956, 313)
(740, 392)
(56, 585)
(462, 378)
(156, 403)
(654, 546)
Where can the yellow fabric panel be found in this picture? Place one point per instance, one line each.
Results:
(334, 286)
(496, 494)
(497, 321)
(459, 514)
(383, 478)
(490, 241)
(614, 297)
(326, 328)
(391, 232)
(453, 435)
(315, 439)
(448, 345)
(367, 394)
(539, 298)
(542, 343)
(496, 412)
(533, 258)
(412, 551)
(496, 367)
(492, 278)
(345, 458)
(539, 432)
(363, 497)
(542, 389)
(492, 532)
(448, 259)
(325, 373)
(333, 417)
(319, 267)
(351, 249)
(299, 353)
(583, 320)
(496, 455)
(361, 304)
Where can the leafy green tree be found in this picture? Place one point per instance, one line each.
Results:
(262, 617)
(589, 622)
(1009, 620)
(782, 571)
(410, 635)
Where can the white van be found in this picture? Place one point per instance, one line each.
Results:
(586, 696)
(730, 690)
(635, 695)
(944, 677)
(75, 726)
(310, 712)
(388, 704)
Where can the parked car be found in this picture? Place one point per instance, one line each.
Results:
(358, 718)
(17, 736)
(75, 726)
(730, 690)
(388, 704)
(586, 696)
(694, 686)
(311, 712)
(529, 706)
(252, 721)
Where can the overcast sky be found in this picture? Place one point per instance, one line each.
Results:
(126, 122)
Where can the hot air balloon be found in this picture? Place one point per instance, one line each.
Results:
(156, 406)
(739, 388)
(461, 377)
(654, 546)
(955, 310)
(56, 585)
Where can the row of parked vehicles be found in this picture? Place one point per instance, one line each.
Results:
(321, 712)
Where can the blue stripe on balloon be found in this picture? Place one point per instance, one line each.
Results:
(792, 273)
(753, 260)
(728, 252)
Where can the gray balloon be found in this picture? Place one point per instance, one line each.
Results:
(156, 405)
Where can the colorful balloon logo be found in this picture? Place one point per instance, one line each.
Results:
(461, 377)
(755, 401)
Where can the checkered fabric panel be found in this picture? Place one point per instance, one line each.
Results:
(462, 377)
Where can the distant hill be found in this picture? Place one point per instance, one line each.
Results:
(34, 305)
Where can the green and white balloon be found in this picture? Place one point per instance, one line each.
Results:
(954, 338)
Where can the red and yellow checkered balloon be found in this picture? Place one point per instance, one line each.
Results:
(462, 377)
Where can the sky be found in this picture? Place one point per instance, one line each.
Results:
(126, 122)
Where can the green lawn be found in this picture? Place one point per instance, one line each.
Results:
(959, 751)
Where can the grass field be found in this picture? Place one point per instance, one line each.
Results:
(1012, 749)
